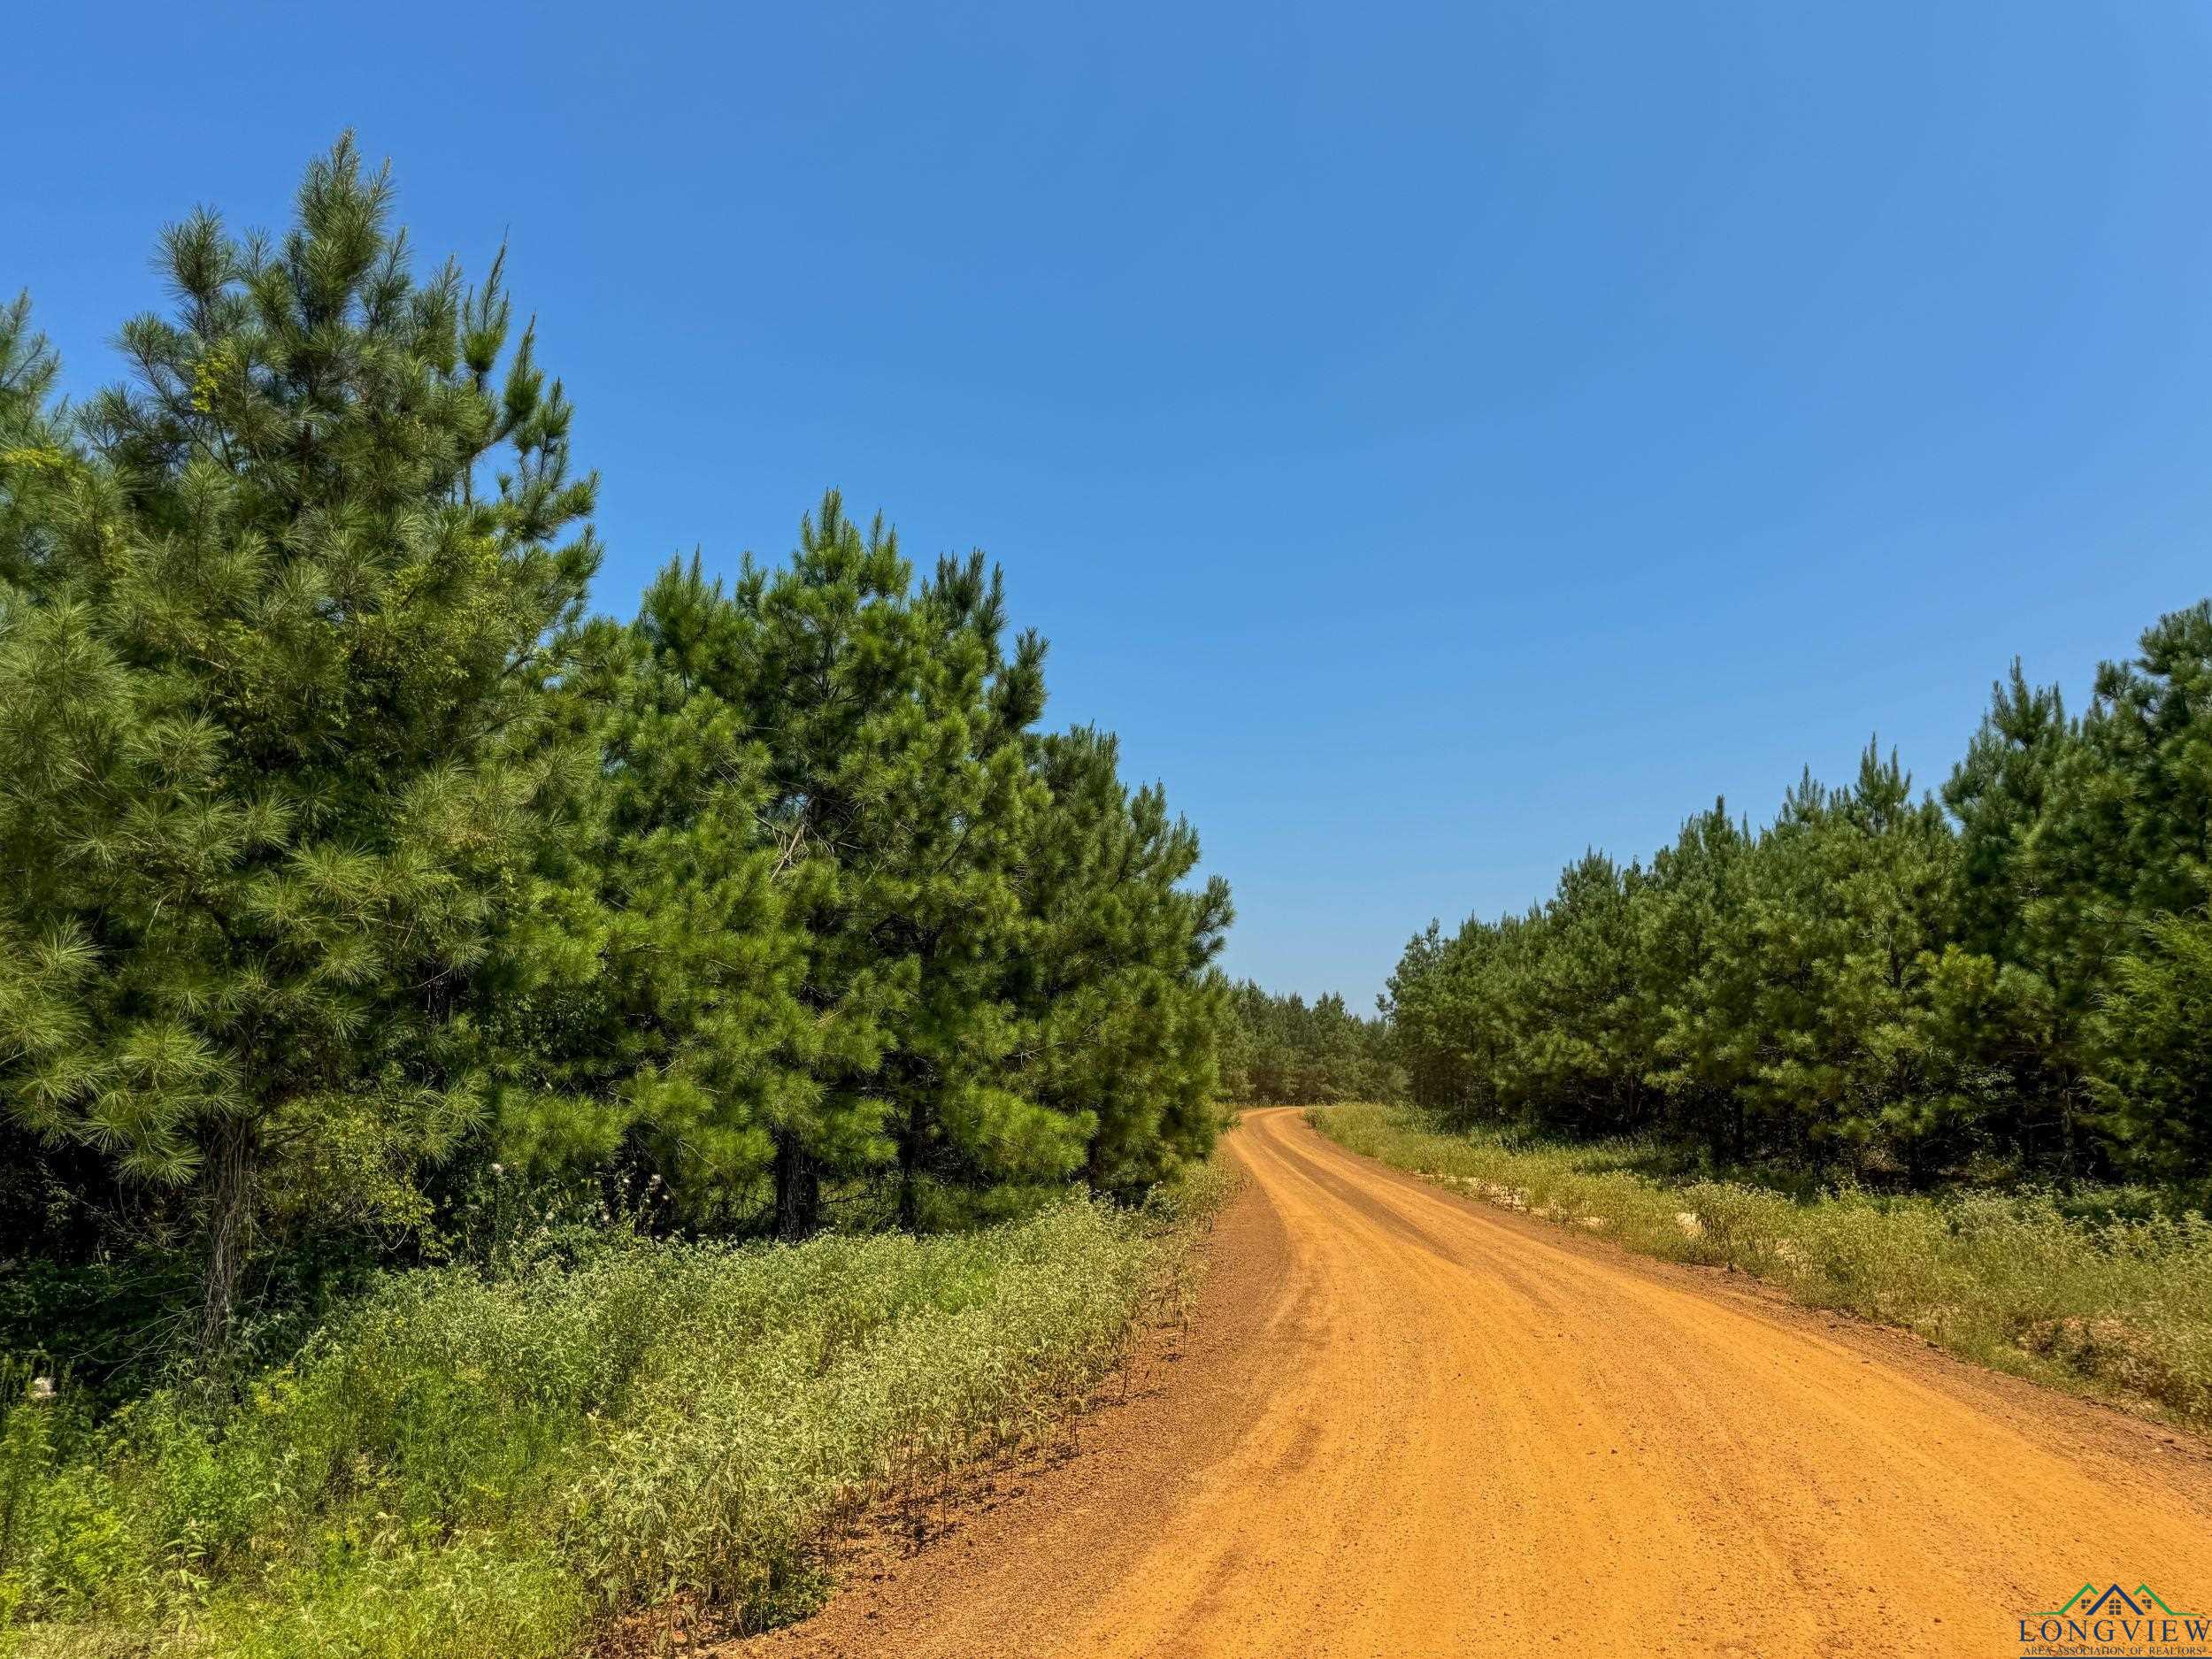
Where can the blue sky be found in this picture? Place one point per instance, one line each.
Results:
(1436, 438)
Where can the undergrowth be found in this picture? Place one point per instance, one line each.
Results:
(570, 1448)
(2102, 1292)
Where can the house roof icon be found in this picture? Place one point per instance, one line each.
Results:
(2114, 1593)
(2116, 1601)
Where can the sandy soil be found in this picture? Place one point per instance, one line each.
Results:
(1408, 1424)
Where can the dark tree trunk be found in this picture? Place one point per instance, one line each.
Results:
(798, 1190)
(910, 1166)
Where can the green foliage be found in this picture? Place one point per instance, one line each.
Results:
(1281, 1050)
(840, 912)
(647, 1012)
(2155, 1027)
(1869, 986)
(270, 723)
(894, 720)
(395, 955)
(1117, 1012)
(2102, 1291)
(37, 459)
(467, 1463)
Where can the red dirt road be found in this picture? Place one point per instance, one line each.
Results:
(1411, 1425)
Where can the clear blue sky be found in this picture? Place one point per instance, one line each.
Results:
(1436, 438)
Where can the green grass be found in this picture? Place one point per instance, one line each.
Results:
(510, 1464)
(2098, 1293)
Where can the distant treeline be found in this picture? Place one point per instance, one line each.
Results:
(353, 868)
(2012, 981)
(1281, 1050)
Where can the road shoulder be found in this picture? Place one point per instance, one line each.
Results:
(1024, 1549)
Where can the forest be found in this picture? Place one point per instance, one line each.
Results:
(2008, 981)
(356, 867)
(1278, 1049)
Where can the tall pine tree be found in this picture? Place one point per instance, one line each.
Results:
(272, 737)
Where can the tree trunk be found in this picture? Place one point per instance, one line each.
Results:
(230, 1158)
(798, 1190)
(910, 1166)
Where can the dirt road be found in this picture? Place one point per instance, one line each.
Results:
(1410, 1425)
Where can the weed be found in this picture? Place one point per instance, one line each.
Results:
(472, 1461)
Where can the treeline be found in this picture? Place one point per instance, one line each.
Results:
(352, 867)
(2012, 982)
(1282, 1050)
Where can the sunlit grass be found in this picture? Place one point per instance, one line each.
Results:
(476, 1464)
(2116, 1306)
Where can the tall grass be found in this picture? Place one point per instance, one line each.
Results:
(2079, 1293)
(473, 1464)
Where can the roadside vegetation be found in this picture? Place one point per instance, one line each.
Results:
(602, 1435)
(2104, 1290)
(2006, 984)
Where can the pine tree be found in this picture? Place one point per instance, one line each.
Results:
(2155, 1078)
(1120, 1017)
(893, 720)
(2021, 985)
(648, 1013)
(36, 455)
(2152, 731)
(2138, 808)
(1699, 978)
(2087, 856)
(271, 739)
(1585, 1046)
(1851, 891)
(1282, 1050)
(1415, 1004)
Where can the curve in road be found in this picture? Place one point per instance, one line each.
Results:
(1411, 1425)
